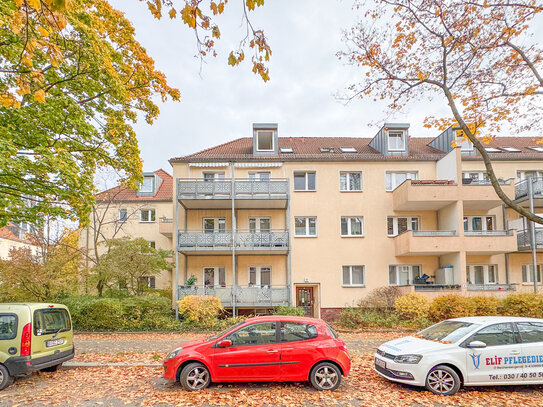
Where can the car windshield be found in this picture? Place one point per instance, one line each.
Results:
(447, 331)
(51, 320)
(225, 331)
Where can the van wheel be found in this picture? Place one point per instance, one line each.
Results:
(5, 378)
(195, 376)
(443, 380)
(51, 368)
(325, 376)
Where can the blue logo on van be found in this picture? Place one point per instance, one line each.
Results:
(476, 359)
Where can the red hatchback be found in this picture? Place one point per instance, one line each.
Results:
(270, 348)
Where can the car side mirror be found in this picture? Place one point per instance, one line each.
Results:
(225, 343)
(476, 344)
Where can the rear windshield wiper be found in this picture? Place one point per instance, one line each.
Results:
(54, 336)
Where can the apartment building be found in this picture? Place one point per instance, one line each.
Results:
(14, 236)
(319, 222)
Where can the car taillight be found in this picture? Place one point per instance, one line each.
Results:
(26, 340)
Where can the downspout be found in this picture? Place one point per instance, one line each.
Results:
(176, 248)
(532, 233)
(234, 225)
(507, 280)
(287, 227)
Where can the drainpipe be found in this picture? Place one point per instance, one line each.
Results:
(504, 216)
(234, 279)
(176, 248)
(287, 227)
(532, 233)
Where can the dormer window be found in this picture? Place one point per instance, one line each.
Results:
(148, 184)
(327, 150)
(396, 140)
(264, 140)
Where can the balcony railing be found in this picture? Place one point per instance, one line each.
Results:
(521, 188)
(488, 233)
(524, 241)
(491, 287)
(434, 233)
(199, 188)
(242, 295)
(223, 240)
(437, 287)
(469, 181)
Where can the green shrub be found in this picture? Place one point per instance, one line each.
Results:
(483, 306)
(418, 323)
(285, 310)
(201, 311)
(381, 298)
(412, 306)
(523, 305)
(357, 318)
(449, 306)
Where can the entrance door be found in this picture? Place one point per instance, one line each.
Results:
(305, 299)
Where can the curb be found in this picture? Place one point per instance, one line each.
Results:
(73, 365)
(361, 331)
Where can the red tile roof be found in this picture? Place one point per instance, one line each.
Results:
(7, 233)
(308, 149)
(125, 194)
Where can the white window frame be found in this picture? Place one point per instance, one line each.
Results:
(306, 221)
(258, 140)
(148, 279)
(347, 175)
(479, 175)
(521, 174)
(150, 177)
(257, 175)
(527, 272)
(350, 283)
(149, 212)
(403, 268)
(121, 219)
(306, 178)
(257, 223)
(216, 224)
(258, 276)
(402, 135)
(216, 276)
(469, 219)
(349, 226)
(286, 150)
(348, 150)
(410, 221)
(393, 175)
(486, 273)
(217, 175)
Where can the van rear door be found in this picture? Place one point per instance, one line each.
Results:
(51, 331)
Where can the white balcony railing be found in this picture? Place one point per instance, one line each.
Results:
(223, 240)
(521, 188)
(491, 287)
(434, 233)
(242, 295)
(199, 188)
(488, 233)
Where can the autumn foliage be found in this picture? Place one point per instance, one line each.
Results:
(202, 311)
(412, 306)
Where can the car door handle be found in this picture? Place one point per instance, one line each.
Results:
(514, 352)
(272, 351)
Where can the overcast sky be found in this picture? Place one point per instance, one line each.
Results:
(219, 103)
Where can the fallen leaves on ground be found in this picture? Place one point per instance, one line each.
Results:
(144, 336)
(143, 386)
(133, 357)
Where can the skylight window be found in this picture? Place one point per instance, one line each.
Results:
(348, 149)
(538, 149)
(327, 150)
(286, 150)
(511, 149)
(492, 150)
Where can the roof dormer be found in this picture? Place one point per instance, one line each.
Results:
(149, 186)
(392, 139)
(265, 139)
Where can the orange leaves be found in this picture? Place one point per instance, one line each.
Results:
(35, 4)
(39, 96)
(172, 13)
(252, 4)
(188, 15)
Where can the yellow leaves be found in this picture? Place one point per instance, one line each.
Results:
(8, 100)
(39, 96)
(155, 7)
(43, 31)
(234, 60)
(172, 13)
(26, 61)
(19, 3)
(188, 15)
(217, 8)
(35, 4)
(251, 4)
(215, 32)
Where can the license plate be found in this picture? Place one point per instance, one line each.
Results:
(54, 342)
(380, 363)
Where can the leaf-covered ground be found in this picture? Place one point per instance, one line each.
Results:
(143, 386)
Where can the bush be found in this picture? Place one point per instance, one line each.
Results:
(483, 306)
(200, 311)
(285, 310)
(523, 305)
(412, 306)
(382, 298)
(449, 306)
(355, 318)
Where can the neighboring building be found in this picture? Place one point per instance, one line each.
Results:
(13, 236)
(146, 213)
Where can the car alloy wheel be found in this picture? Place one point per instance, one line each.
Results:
(325, 376)
(443, 380)
(5, 378)
(195, 376)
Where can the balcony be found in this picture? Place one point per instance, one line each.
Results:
(245, 241)
(424, 195)
(524, 241)
(165, 226)
(244, 296)
(491, 287)
(436, 287)
(480, 195)
(427, 243)
(197, 193)
(521, 192)
(490, 242)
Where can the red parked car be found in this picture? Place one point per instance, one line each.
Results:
(270, 348)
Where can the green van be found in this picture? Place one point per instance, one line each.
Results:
(33, 336)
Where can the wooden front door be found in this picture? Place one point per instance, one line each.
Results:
(305, 299)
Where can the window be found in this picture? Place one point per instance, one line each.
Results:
(352, 226)
(8, 327)
(51, 320)
(147, 282)
(304, 181)
(530, 331)
(326, 150)
(256, 334)
(260, 276)
(399, 224)
(527, 273)
(214, 276)
(305, 226)
(211, 176)
(538, 149)
(214, 225)
(522, 175)
(394, 179)
(348, 150)
(152, 244)
(495, 335)
(293, 332)
(492, 150)
(264, 140)
(259, 225)
(353, 276)
(259, 176)
(479, 223)
(396, 141)
(286, 150)
(482, 274)
(147, 215)
(123, 215)
(350, 181)
(403, 274)
(148, 184)
(511, 149)
(475, 177)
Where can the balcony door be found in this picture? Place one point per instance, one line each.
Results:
(482, 274)
(259, 225)
(212, 176)
(260, 276)
(214, 225)
(214, 277)
(259, 176)
(479, 223)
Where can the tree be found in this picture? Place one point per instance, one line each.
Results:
(51, 274)
(126, 262)
(73, 80)
(479, 56)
